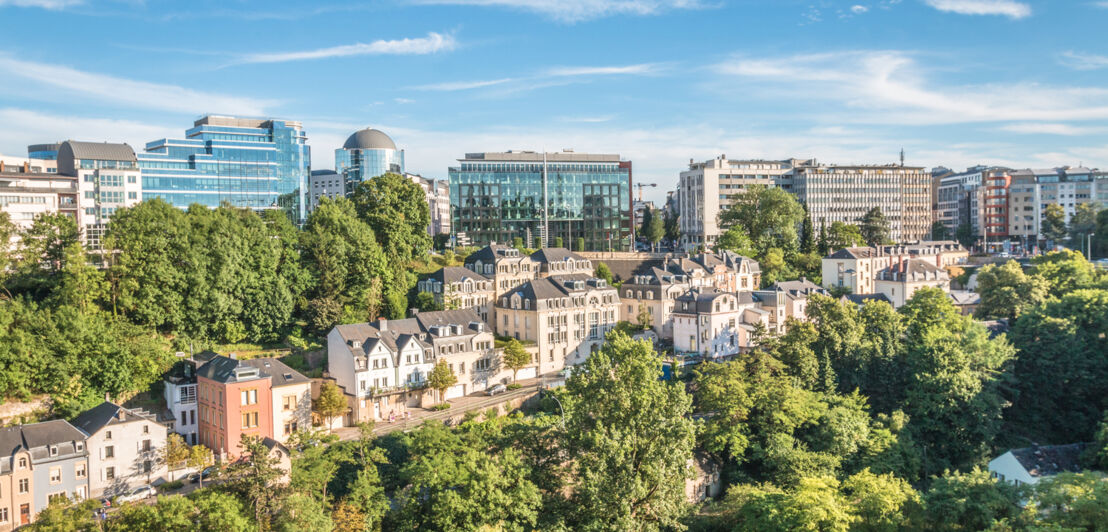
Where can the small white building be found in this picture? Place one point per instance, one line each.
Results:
(126, 448)
(708, 322)
(901, 279)
(1032, 464)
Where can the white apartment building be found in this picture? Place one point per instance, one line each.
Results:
(25, 196)
(126, 448)
(437, 194)
(654, 292)
(506, 266)
(706, 189)
(108, 178)
(710, 323)
(858, 268)
(846, 193)
(454, 287)
(565, 316)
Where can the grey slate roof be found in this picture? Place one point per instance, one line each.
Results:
(103, 151)
(36, 438)
(555, 286)
(703, 300)
(912, 270)
(854, 253)
(222, 369)
(50, 432)
(798, 288)
(396, 333)
(861, 299)
(280, 373)
(92, 420)
(456, 274)
(442, 318)
(554, 255)
(1047, 460)
(492, 252)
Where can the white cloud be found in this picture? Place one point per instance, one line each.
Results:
(1037, 128)
(462, 85)
(1007, 8)
(23, 127)
(887, 87)
(579, 10)
(587, 119)
(1079, 61)
(403, 100)
(640, 69)
(859, 9)
(432, 43)
(126, 92)
(44, 4)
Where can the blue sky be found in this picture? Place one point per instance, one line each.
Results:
(953, 82)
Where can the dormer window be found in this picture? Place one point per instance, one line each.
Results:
(53, 450)
(80, 446)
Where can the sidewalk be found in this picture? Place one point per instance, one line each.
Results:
(476, 402)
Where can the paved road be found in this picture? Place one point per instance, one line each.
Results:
(475, 402)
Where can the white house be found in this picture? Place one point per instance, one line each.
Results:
(708, 322)
(125, 448)
(1032, 464)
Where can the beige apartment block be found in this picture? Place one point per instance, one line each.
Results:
(565, 316)
(902, 279)
(654, 292)
(454, 287)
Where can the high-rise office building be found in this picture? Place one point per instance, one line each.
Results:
(44, 151)
(437, 193)
(247, 162)
(496, 197)
(366, 154)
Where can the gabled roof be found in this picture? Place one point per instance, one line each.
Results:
(280, 374)
(854, 253)
(49, 433)
(107, 413)
(225, 369)
(554, 255)
(799, 288)
(456, 274)
(703, 299)
(464, 318)
(492, 252)
(557, 286)
(1047, 460)
(912, 270)
(965, 297)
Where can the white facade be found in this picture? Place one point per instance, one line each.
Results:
(125, 451)
(24, 196)
(709, 323)
(181, 400)
(292, 408)
(708, 188)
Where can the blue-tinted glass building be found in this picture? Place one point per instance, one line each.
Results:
(44, 151)
(366, 154)
(496, 197)
(252, 163)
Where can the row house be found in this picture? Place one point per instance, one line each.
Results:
(724, 270)
(710, 322)
(383, 366)
(856, 268)
(454, 287)
(260, 397)
(509, 268)
(654, 292)
(566, 316)
(899, 281)
(126, 448)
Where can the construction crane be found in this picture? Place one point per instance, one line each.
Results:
(642, 185)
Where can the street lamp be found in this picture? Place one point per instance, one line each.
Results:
(1089, 245)
(560, 409)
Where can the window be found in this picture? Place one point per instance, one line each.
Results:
(249, 397)
(289, 402)
(80, 446)
(24, 485)
(3, 515)
(109, 451)
(249, 420)
(147, 465)
(146, 429)
(55, 475)
(23, 462)
(53, 450)
(131, 179)
(146, 446)
(81, 471)
(108, 435)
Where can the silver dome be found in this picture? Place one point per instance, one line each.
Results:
(369, 139)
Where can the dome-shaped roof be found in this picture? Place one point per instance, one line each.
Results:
(369, 139)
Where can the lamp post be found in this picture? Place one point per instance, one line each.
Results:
(560, 409)
(1089, 245)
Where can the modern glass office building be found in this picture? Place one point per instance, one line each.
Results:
(44, 151)
(253, 163)
(366, 154)
(496, 197)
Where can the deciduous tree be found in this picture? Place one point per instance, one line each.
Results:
(330, 404)
(516, 357)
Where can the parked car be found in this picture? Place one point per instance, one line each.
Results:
(206, 474)
(138, 494)
(497, 389)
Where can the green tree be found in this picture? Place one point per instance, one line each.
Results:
(1006, 291)
(8, 230)
(1053, 228)
(149, 243)
(396, 210)
(876, 367)
(168, 513)
(330, 404)
(815, 505)
(1082, 224)
(219, 511)
(953, 397)
(66, 517)
(256, 476)
(769, 215)
(579, 244)
(1072, 501)
(300, 513)
(965, 235)
(939, 231)
(822, 245)
(807, 232)
(175, 454)
(559, 242)
(350, 269)
(841, 235)
(875, 227)
(80, 284)
(1064, 271)
(653, 227)
(1062, 341)
(603, 272)
(199, 457)
(453, 484)
(45, 245)
(631, 440)
(516, 357)
(883, 503)
(440, 378)
(517, 243)
(774, 267)
(672, 226)
(644, 318)
(425, 302)
(968, 501)
(735, 240)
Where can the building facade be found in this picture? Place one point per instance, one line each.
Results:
(565, 316)
(900, 280)
(367, 153)
(246, 162)
(29, 165)
(454, 287)
(709, 323)
(108, 179)
(324, 184)
(126, 448)
(437, 193)
(24, 196)
(858, 269)
(497, 197)
(42, 462)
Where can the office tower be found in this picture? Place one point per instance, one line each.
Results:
(246, 162)
(108, 178)
(366, 154)
(540, 197)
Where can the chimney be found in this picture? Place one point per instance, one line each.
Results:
(413, 311)
(233, 356)
(383, 324)
(121, 415)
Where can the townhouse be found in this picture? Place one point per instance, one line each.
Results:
(454, 287)
(725, 270)
(42, 462)
(709, 322)
(126, 448)
(566, 316)
(900, 280)
(382, 366)
(260, 397)
(506, 266)
(856, 269)
(654, 292)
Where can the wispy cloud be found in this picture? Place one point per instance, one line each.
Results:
(1035, 128)
(44, 4)
(579, 10)
(1007, 8)
(432, 43)
(587, 119)
(548, 78)
(888, 86)
(858, 9)
(129, 93)
(1079, 61)
(22, 126)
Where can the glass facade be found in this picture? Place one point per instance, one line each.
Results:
(497, 201)
(257, 164)
(360, 164)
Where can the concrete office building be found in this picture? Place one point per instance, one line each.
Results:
(247, 162)
(437, 194)
(108, 178)
(324, 184)
(367, 153)
(497, 197)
